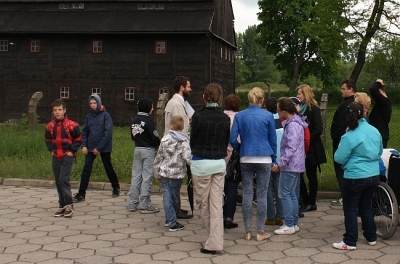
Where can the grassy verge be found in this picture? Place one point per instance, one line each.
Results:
(23, 154)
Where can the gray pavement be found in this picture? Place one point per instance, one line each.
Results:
(103, 231)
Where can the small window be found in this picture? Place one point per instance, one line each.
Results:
(161, 47)
(129, 94)
(222, 53)
(3, 45)
(35, 46)
(97, 46)
(226, 53)
(64, 92)
(96, 91)
(150, 7)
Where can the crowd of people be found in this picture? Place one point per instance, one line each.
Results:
(269, 148)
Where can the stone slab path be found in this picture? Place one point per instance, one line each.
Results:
(103, 231)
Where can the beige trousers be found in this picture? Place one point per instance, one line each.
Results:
(208, 192)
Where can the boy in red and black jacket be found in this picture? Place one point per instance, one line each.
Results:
(63, 139)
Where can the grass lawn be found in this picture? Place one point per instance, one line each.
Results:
(23, 154)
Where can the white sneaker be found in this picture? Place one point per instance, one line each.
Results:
(342, 246)
(285, 230)
(372, 243)
(296, 228)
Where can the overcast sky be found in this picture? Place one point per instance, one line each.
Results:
(245, 13)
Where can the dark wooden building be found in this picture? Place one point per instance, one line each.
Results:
(121, 49)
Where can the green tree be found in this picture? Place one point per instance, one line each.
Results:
(306, 36)
(252, 61)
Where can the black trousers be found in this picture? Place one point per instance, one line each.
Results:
(309, 197)
(62, 171)
(87, 171)
(357, 200)
(230, 191)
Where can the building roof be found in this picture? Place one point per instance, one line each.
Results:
(165, 21)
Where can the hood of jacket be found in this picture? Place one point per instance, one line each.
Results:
(296, 119)
(178, 135)
(97, 98)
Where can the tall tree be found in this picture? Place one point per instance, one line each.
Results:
(306, 36)
(367, 18)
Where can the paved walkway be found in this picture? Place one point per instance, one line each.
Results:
(103, 231)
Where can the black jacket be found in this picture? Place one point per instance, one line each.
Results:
(381, 112)
(338, 128)
(143, 131)
(209, 134)
(317, 150)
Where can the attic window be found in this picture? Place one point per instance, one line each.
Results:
(3, 45)
(71, 6)
(150, 7)
(161, 47)
(35, 46)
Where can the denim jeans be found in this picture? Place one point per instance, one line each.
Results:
(262, 173)
(170, 187)
(289, 191)
(87, 170)
(274, 208)
(357, 200)
(142, 178)
(62, 170)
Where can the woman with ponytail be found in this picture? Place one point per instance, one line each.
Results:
(359, 153)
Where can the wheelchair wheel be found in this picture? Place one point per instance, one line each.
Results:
(386, 211)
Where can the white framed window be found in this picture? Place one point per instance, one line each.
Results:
(160, 47)
(130, 94)
(97, 46)
(3, 45)
(35, 46)
(64, 92)
(96, 91)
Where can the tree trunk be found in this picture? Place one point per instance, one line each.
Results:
(295, 76)
(373, 26)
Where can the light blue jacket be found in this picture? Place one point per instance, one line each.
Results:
(360, 151)
(256, 128)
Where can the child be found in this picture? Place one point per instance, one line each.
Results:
(63, 139)
(274, 208)
(97, 141)
(291, 165)
(145, 136)
(170, 164)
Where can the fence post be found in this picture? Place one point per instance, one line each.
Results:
(161, 103)
(324, 108)
(32, 109)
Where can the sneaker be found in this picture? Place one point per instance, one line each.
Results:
(210, 252)
(372, 243)
(68, 211)
(115, 193)
(229, 224)
(59, 212)
(78, 198)
(338, 202)
(261, 236)
(285, 230)
(296, 228)
(176, 227)
(342, 246)
(149, 210)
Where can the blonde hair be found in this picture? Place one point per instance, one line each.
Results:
(176, 123)
(256, 95)
(364, 100)
(309, 97)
